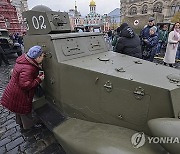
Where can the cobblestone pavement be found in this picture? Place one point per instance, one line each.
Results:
(12, 139)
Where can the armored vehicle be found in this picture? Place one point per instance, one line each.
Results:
(7, 44)
(101, 102)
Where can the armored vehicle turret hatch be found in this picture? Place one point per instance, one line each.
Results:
(99, 98)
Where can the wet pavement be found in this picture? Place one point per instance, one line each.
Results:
(15, 141)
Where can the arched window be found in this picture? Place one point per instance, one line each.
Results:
(158, 7)
(144, 9)
(133, 11)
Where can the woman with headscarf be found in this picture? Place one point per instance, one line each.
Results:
(173, 41)
(19, 92)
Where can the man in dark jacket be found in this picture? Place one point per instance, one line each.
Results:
(128, 43)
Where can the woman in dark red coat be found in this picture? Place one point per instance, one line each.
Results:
(19, 92)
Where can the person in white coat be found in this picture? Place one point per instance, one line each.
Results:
(173, 41)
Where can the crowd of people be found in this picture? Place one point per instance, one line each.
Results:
(149, 43)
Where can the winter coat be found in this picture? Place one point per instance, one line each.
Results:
(128, 43)
(171, 49)
(163, 36)
(19, 92)
(145, 33)
(152, 43)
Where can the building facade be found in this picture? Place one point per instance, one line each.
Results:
(93, 19)
(21, 6)
(115, 18)
(8, 17)
(150, 7)
(76, 20)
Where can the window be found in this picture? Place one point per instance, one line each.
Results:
(144, 9)
(133, 11)
(158, 7)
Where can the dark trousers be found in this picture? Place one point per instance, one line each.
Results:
(3, 58)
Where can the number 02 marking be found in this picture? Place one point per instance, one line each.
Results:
(38, 22)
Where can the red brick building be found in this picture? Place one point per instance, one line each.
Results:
(8, 17)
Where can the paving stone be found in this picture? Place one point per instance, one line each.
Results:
(15, 151)
(3, 149)
(36, 148)
(2, 121)
(15, 135)
(14, 143)
(4, 114)
(10, 116)
(8, 122)
(32, 132)
(2, 131)
(54, 148)
(4, 141)
(11, 125)
(8, 133)
(25, 146)
(49, 140)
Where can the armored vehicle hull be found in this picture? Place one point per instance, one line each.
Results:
(95, 99)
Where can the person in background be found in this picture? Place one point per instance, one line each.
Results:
(145, 32)
(163, 37)
(109, 33)
(3, 57)
(172, 46)
(87, 29)
(128, 43)
(151, 44)
(178, 52)
(19, 92)
(117, 35)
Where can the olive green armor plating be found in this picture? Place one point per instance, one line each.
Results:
(105, 97)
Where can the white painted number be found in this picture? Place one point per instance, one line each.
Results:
(26, 23)
(38, 22)
(43, 26)
(35, 22)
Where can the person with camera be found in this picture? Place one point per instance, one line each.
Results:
(19, 92)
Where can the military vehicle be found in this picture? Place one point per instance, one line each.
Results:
(101, 102)
(138, 22)
(7, 44)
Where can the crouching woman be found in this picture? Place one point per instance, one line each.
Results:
(19, 93)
